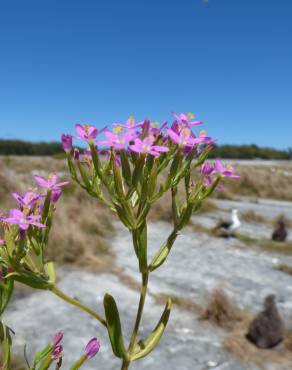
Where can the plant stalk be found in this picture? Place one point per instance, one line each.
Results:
(77, 304)
(126, 364)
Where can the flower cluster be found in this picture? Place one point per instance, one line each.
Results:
(31, 203)
(143, 137)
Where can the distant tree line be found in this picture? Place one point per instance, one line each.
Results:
(251, 151)
(19, 147)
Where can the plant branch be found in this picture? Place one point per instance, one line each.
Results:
(77, 304)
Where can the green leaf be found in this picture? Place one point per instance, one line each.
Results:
(6, 343)
(31, 279)
(163, 252)
(138, 170)
(143, 348)
(39, 356)
(50, 271)
(84, 175)
(140, 245)
(126, 169)
(119, 187)
(6, 289)
(114, 327)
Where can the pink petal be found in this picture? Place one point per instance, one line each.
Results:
(173, 135)
(80, 130)
(160, 148)
(41, 182)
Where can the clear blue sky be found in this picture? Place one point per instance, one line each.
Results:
(68, 61)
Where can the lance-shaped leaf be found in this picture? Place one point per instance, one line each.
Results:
(138, 169)
(126, 169)
(114, 327)
(50, 271)
(6, 343)
(6, 289)
(118, 181)
(31, 279)
(143, 348)
(140, 245)
(84, 175)
(163, 252)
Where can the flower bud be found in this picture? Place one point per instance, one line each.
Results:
(67, 142)
(92, 348)
(57, 338)
(76, 154)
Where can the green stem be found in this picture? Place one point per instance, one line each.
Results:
(126, 364)
(78, 304)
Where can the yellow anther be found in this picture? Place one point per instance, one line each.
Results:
(191, 115)
(131, 119)
(117, 130)
(86, 127)
(186, 131)
(203, 132)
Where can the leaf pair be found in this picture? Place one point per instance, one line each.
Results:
(143, 348)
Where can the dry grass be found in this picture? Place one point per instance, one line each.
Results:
(222, 311)
(260, 182)
(266, 244)
(251, 216)
(183, 303)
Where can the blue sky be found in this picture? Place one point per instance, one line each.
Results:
(68, 61)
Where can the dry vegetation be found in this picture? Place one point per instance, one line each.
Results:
(260, 182)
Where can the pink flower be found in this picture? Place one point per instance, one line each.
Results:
(28, 199)
(87, 132)
(130, 123)
(66, 142)
(50, 183)
(57, 352)
(146, 146)
(118, 138)
(17, 217)
(92, 348)
(185, 119)
(185, 137)
(2, 242)
(225, 171)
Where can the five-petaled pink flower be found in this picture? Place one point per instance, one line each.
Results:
(17, 217)
(87, 132)
(130, 123)
(185, 119)
(51, 183)
(146, 146)
(225, 171)
(185, 137)
(27, 200)
(118, 139)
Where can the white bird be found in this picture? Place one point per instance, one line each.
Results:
(228, 227)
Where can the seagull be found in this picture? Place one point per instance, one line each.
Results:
(227, 228)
